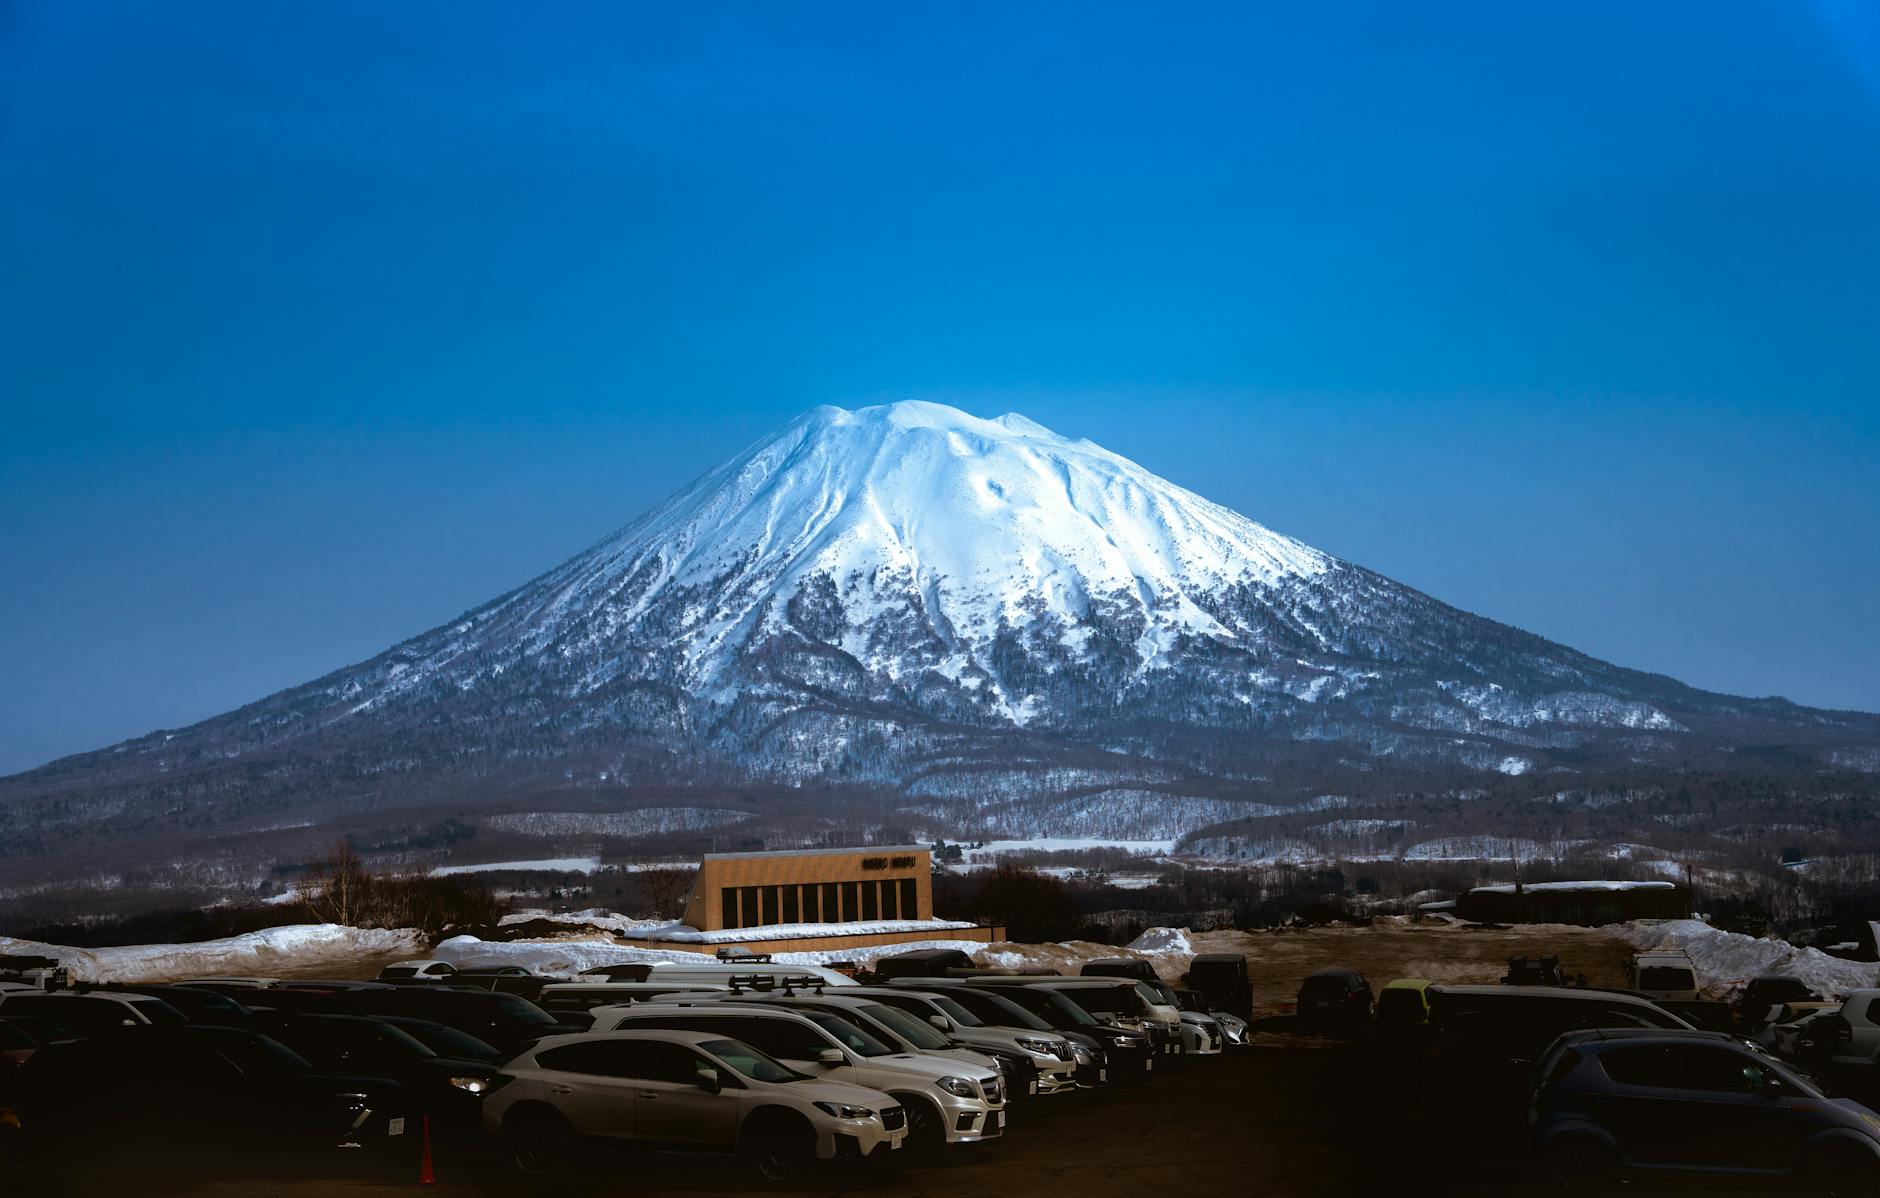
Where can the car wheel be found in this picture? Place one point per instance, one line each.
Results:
(1845, 1171)
(926, 1133)
(781, 1147)
(540, 1141)
(1581, 1162)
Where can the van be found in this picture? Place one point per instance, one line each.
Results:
(1221, 979)
(1667, 974)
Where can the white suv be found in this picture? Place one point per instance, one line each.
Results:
(684, 1091)
(948, 1101)
(1051, 1055)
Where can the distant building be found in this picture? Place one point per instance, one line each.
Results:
(813, 900)
(1590, 903)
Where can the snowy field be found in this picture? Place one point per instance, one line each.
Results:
(1437, 950)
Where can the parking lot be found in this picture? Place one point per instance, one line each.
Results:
(1311, 1119)
(1293, 1114)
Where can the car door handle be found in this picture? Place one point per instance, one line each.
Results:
(561, 1089)
(647, 1094)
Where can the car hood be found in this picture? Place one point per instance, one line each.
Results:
(820, 1090)
(933, 1066)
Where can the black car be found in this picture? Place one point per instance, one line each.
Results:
(506, 1021)
(504, 979)
(1134, 968)
(449, 1089)
(198, 1004)
(921, 963)
(1334, 998)
(205, 1092)
(1489, 1037)
(1222, 979)
(447, 1041)
(1611, 1101)
(1767, 990)
(1130, 1052)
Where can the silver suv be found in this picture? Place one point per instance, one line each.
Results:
(689, 1091)
(947, 1101)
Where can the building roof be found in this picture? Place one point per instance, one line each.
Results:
(847, 852)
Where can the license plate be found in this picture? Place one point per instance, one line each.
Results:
(394, 1127)
(1103, 1075)
(998, 1119)
(1148, 1065)
(1031, 1087)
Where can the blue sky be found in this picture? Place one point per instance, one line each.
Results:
(319, 326)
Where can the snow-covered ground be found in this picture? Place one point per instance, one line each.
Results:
(1725, 961)
(556, 864)
(265, 953)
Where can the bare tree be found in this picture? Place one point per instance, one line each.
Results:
(338, 889)
(666, 889)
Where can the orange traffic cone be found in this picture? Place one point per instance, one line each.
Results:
(426, 1177)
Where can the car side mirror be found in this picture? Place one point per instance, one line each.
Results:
(708, 1080)
(831, 1056)
(940, 1021)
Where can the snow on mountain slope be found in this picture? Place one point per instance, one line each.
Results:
(978, 615)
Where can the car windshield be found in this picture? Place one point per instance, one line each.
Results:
(920, 1034)
(996, 1008)
(448, 1041)
(383, 1037)
(1157, 993)
(158, 1011)
(955, 1011)
(523, 1011)
(744, 1059)
(257, 1054)
(854, 1038)
(1190, 1001)
(398, 971)
(1060, 1007)
(1666, 977)
(1107, 1000)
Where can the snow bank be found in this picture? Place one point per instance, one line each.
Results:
(1725, 961)
(552, 956)
(1164, 940)
(586, 865)
(1508, 887)
(263, 953)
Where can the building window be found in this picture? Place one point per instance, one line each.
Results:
(791, 905)
(829, 910)
(890, 901)
(728, 901)
(851, 902)
(770, 904)
(871, 900)
(910, 898)
(749, 897)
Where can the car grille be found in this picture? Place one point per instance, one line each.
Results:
(893, 1118)
(995, 1093)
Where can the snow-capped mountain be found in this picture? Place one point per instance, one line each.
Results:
(951, 610)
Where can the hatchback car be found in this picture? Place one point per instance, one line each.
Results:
(1611, 1101)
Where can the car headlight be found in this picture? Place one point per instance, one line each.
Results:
(842, 1110)
(1044, 1048)
(476, 1085)
(959, 1086)
(1083, 1055)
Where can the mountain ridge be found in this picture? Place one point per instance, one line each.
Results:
(912, 599)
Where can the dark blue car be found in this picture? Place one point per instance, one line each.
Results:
(1613, 1101)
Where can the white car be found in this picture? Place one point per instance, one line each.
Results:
(427, 970)
(685, 1091)
(947, 1101)
(705, 969)
(86, 1013)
